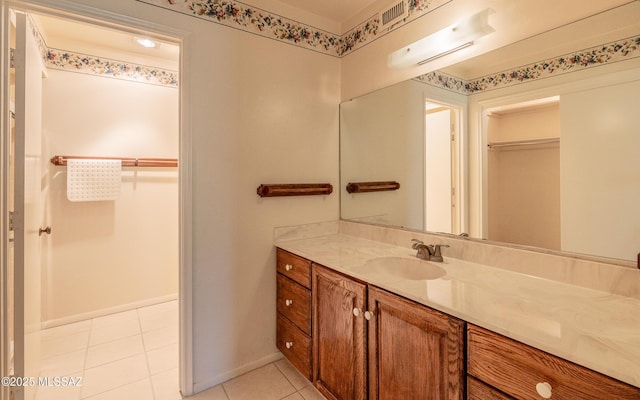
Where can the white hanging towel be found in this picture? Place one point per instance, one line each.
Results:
(93, 180)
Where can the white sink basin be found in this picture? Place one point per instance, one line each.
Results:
(401, 268)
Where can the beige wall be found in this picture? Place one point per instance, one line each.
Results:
(260, 111)
(524, 181)
(599, 160)
(110, 254)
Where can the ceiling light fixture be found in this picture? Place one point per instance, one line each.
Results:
(443, 42)
(148, 43)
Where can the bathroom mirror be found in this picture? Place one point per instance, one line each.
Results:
(544, 151)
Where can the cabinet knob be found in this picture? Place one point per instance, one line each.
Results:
(544, 390)
(368, 315)
(288, 345)
(288, 267)
(357, 312)
(288, 302)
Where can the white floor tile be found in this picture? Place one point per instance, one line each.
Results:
(65, 330)
(113, 351)
(160, 337)
(166, 386)
(55, 346)
(266, 383)
(113, 375)
(310, 393)
(58, 393)
(215, 393)
(295, 396)
(117, 330)
(163, 359)
(158, 320)
(140, 390)
(160, 307)
(292, 374)
(63, 364)
(113, 319)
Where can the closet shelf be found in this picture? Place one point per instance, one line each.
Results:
(514, 143)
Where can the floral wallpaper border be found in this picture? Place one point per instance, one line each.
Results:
(101, 66)
(236, 14)
(94, 65)
(620, 50)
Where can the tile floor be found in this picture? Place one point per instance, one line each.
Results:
(129, 355)
(133, 355)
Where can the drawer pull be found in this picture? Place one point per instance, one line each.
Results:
(288, 267)
(368, 315)
(357, 312)
(544, 390)
(288, 345)
(288, 302)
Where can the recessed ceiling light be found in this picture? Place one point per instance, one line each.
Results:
(148, 43)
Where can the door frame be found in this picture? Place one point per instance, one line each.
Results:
(95, 16)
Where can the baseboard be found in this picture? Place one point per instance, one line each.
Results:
(209, 383)
(106, 311)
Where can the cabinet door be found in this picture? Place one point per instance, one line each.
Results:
(414, 352)
(339, 349)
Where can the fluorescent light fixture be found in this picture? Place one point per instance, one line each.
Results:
(148, 43)
(443, 42)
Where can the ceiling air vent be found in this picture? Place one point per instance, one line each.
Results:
(397, 11)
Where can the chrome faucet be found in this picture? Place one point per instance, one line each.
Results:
(428, 252)
(424, 252)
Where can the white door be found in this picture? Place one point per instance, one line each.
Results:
(438, 185)
(29, 207)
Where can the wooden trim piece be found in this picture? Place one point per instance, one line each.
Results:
(294, 189)
(126, 161)
(363, 187)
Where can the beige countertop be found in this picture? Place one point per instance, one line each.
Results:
(595, 329)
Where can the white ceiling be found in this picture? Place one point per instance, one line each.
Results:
(69, 35)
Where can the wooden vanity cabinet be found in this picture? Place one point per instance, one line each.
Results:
(339, 335)
(415, 352)
(411, 352)
(293, 322)
(355, 341)
(514, 369)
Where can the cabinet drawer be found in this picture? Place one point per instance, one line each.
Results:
(294, 344)
(516, 369)
(294, 302)
(477, 390)
(294, 267)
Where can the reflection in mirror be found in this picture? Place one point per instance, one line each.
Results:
(402, 134)
(548, 146)
(523, 172)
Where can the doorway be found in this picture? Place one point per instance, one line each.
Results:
(441, 168)
(99, 218)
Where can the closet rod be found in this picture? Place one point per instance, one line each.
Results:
(522, 143)
(126, 161)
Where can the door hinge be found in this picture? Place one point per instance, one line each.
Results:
(11, 227)
(12, 58)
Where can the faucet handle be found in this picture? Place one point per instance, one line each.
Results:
(437, 255)
(416, 243)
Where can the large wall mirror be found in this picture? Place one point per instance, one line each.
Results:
(535, 144)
